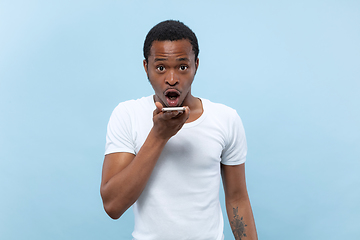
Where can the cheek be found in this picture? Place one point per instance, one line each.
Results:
(189, 79)
(154, 80)
(155, 85)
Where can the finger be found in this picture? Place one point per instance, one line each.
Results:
(187, 110)
(185, 114)
(171, 114)
(159, 106)
(177, 114)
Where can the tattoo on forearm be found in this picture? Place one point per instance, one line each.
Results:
(238, 226)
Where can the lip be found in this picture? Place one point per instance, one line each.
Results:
(172, 102)
(169, 90)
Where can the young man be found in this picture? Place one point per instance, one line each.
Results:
(168, 163)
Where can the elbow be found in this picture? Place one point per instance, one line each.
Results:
(114, 206)
(109, 206)
(115, 210)
(112, 212)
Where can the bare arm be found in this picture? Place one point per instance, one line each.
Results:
(238, 205)
(125, 175)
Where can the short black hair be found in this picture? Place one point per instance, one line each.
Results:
(170, 30)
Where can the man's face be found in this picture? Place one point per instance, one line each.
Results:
(171, 70)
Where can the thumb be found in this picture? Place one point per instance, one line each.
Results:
(159, 106)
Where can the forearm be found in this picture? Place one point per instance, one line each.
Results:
(241, 219)
(124, 188)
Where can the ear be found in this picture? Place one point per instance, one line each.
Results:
(196, 64)
(145, 66)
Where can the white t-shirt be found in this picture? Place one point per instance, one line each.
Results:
(181, 198)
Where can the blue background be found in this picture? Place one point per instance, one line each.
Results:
(290, 68)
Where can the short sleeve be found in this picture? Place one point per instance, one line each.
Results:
(119, 135)
(235, 149)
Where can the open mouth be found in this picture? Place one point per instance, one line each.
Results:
(172, 97)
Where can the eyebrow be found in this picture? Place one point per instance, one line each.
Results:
(182, 59)
(178, 60)
(160, 59)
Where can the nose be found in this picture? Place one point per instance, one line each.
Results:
(171, 78)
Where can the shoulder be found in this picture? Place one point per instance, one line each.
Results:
(131, 110)
(132, 106)
(135, 102)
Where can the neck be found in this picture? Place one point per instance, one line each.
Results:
(196, 109)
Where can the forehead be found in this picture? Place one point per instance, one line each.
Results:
(172, 48)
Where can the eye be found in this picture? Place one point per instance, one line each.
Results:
(183, 67)
(160, 68)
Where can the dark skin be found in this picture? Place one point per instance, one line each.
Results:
(171, 66)
(237, 202)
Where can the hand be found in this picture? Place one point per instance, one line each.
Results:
(167, 124)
